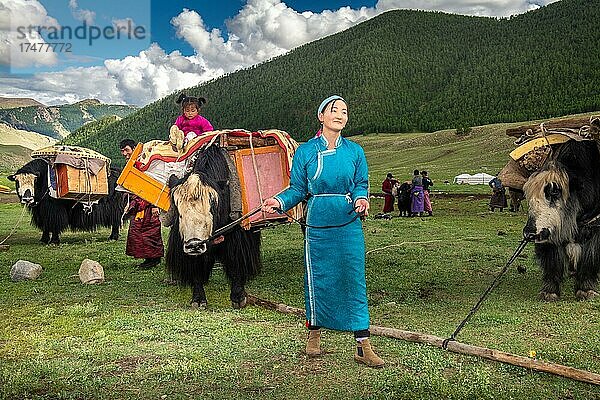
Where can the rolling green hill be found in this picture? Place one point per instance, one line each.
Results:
(90, 130)
(444, 154)
(59, 121)
(406, 71)
(30, 140)
(12, 102)
(11, 158)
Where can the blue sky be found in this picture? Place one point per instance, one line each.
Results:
(185, 42)
(82, 52)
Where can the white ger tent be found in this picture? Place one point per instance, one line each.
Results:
(480, 178)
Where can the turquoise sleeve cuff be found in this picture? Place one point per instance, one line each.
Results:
(281, 203)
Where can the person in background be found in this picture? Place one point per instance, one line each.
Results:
(417, 198)
(144, 238)
(332, 171)
(386, 187)
(498, 199)
(190, 123)
(427, 183)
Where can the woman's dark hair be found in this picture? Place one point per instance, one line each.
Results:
(332, 102)
(416, 172)
(127, 142)
(424, 173)
(186, 100)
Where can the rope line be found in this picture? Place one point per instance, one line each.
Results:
(426, 242)
(17, 224)
(255, 165)
(304, 224)
(485, 294)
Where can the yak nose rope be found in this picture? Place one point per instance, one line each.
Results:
(486, 293)
(233, 224)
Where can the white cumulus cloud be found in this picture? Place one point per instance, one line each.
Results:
(80, 14)
(487, 8)
(16, 37)
(154, 74)
(261, 30)
(68, 86)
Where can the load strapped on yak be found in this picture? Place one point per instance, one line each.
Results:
(536, 142)
(75, 173)
(259, 168)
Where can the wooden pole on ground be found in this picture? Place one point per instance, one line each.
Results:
(454, 346)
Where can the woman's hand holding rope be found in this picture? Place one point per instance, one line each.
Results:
(271, 206)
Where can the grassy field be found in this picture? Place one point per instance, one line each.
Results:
(136, 337)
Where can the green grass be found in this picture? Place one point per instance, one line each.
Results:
(135, 336)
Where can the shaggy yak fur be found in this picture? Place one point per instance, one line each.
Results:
(199, 206)
(53, 216)
(516, 198)
(564, 201)
(403, 195)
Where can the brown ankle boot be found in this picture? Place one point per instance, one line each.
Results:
(313, 345)
(365, 355)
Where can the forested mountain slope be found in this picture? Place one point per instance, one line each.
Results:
(405, 71)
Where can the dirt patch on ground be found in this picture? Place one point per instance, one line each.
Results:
(7, 198)
(131, 363)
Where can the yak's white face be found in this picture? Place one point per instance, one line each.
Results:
(25, 184)
(552, 217)
(193, 200)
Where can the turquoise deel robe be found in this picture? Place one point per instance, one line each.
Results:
(334, 280)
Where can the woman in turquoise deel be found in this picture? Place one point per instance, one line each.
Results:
(332, 171)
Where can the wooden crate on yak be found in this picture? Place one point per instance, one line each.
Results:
(535, 143)
(81, 174)
(143, 185)
(263, 171)
(261, 165)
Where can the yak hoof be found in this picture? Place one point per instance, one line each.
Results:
(198, 305)
(545, 296)
(113, 237)
(585, 294)
(241, 304)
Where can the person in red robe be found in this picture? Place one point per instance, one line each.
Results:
(387, 187)
(144, 238)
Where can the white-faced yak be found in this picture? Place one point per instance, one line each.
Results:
(53, 216)
(200, 204)
(564, 218)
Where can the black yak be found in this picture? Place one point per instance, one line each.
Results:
(200, 204)
(516, 198)
(403, 194)
(564, 218)
(53, 216)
